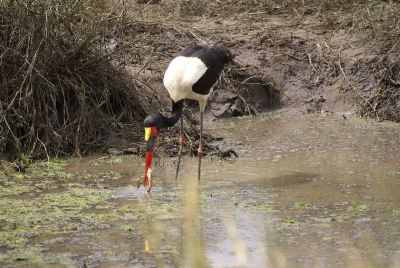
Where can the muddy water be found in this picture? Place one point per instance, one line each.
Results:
(312, 169)
(306, 191)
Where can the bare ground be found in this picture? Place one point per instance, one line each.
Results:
(300, 58)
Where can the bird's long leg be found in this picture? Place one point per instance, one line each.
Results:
(181, 142)
(200, 151)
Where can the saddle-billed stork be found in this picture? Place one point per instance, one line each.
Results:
(190, 75)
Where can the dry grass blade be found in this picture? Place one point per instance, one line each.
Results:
(60, 91)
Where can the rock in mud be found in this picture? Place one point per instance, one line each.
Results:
(131, 151)
(114, 151)
(238, 108)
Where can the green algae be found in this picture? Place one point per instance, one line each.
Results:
(49, 213)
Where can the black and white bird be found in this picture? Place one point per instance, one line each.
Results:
(190, 75)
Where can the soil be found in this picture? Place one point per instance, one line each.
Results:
(300, 59)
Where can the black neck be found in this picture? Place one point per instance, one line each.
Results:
(175, 114)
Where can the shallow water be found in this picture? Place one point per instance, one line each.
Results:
(306, 191)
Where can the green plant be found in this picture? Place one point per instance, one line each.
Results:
(356, 207)
(288, 222)
(301, 205)
(127, 228)
(332, 219)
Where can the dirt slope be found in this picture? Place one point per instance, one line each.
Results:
(295, 57)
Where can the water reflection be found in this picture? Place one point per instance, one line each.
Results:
(325, 164)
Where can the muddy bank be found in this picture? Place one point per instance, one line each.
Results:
(334, 58)
(293, 58)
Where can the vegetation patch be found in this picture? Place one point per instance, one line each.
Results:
(261, 207)
(333, 219)
(356, 207)
(61, 93)
(301, 204)
(287, 223)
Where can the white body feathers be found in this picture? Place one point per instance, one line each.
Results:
(181, 75)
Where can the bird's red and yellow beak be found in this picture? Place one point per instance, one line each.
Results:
(150, 136)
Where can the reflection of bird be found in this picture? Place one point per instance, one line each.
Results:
(149, 172)
(191, 74)
(146, 246)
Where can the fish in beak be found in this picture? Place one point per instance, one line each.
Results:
(151, 135)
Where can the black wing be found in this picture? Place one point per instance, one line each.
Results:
(214, 58)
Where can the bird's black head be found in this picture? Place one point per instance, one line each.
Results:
(159, 121)
(153, 120)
